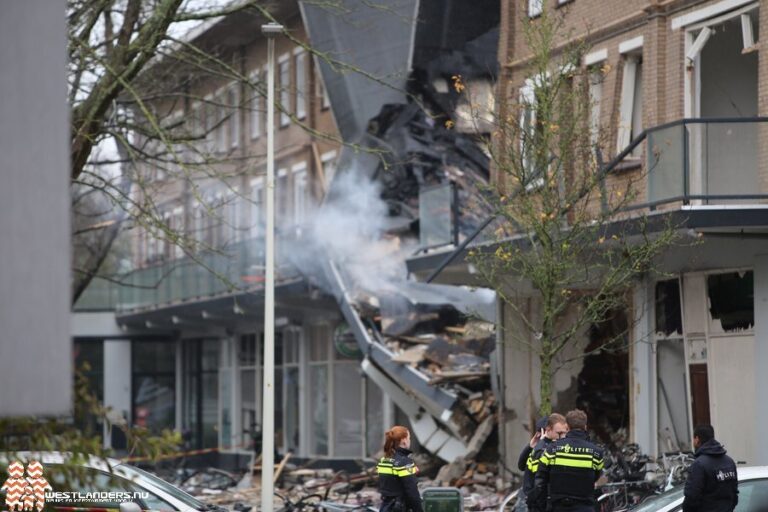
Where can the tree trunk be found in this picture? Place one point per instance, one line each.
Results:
(545, 383)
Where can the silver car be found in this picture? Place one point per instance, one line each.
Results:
(753, 494)
(100, 485)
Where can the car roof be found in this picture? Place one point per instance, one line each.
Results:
(50, 457)
(752, 472)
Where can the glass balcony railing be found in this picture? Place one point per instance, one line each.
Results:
(101, 295)
(712, 161)
(237, 267)
(437, 216)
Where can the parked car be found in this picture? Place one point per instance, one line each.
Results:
(753, 494)
(97, 484)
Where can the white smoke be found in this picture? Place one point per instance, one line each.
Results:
(350, 230)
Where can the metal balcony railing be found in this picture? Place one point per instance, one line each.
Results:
(708, 161)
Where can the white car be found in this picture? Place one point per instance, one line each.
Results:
(753, 494)
(99, 485)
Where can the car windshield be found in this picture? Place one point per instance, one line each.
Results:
(662, 500)
(164, 486)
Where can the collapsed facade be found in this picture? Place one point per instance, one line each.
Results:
(189, 321)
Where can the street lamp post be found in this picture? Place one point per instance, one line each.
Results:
(269, 30)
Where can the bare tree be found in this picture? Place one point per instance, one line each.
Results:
(568, 241)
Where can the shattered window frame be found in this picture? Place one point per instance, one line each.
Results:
(535, 8)
(735, 313)
(667, 293)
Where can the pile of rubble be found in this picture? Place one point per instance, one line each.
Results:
(479, 483)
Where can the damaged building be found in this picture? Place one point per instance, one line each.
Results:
(351, 359)
(679, 103)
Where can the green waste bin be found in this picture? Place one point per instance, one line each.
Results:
(442, 499)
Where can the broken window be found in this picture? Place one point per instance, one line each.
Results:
(596, 78)
(731, 300)
(631, 108)
(673, 429)
(669, 319)
(535, 7)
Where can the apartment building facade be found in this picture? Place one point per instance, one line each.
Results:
(677, 88)
(183, 350)
(684, 81)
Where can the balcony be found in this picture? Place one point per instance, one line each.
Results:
(236, 268)
(704, 172)
(705, 162)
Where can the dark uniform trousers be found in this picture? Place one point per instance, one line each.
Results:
(567, 472)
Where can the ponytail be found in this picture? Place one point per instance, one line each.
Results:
(392, 439)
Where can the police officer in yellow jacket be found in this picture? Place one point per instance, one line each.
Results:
(568, 470)
(397, 474)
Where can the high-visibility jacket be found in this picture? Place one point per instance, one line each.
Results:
(531, 466)
(567, 472)
(397, 479)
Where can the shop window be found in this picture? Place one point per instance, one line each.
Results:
(731, 301)
(89, 361)
(201, 391)
(153, 383)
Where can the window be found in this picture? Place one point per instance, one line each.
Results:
(210, 122)
(631, 108)
(319, 341)
(153, 383)
(596, 77)
(753, 495)
(196, 127)
(177, 229)
(300, 192)
(300, 57)
(528, 136)
(221, 125)
(282, 197)
(249, 398)
(257, 205)
(255, 108)
(731, 301)
(321, 91)
(233, 215)
(284, 83)
(328, 161)
(233, 97)
(535, 7)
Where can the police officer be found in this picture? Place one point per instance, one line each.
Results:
(712, 483)
(397, 474)
(568, 470)
(548, 429)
